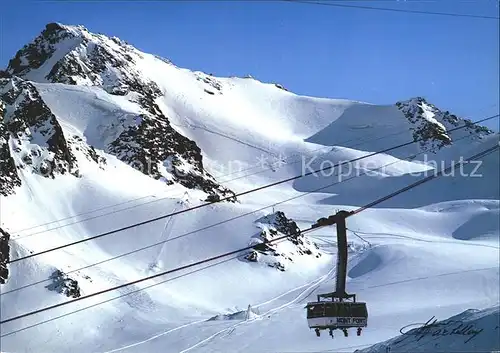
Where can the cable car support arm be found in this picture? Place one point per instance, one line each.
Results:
(340, 220)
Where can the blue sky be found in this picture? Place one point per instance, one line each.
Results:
(374, 56)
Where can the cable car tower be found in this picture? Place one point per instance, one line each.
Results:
(338, 310)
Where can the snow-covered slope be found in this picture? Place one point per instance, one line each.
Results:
(470, 331)
(96, 135)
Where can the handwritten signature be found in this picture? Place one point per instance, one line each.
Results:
(434, 328)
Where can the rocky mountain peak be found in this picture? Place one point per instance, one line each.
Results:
(431, 125)
(35, 54)
(73, 55)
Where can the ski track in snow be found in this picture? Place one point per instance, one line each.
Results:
(156, 336)
(310, 287)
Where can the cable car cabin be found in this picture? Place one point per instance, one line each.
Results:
(336, 315)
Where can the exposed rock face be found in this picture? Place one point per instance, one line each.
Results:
(9, 179)
(153, 147)
(73, 55)
(212, 85)
(78, 146)
(280, 86)
(35, 137)
(278, 254)
(431, 125)
(35, 54)
(61, 283)
(4, 256)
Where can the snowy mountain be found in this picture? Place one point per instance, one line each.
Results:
(96, 135)
(145, 140)
(469, 331)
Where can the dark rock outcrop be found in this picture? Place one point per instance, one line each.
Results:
(280, 86)
(212, 85)
(4, 256)
(63, 284)
(35, 54)
(274, 226)
(430, 125)
(36, 136)
(156, 149)
(9, 179)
